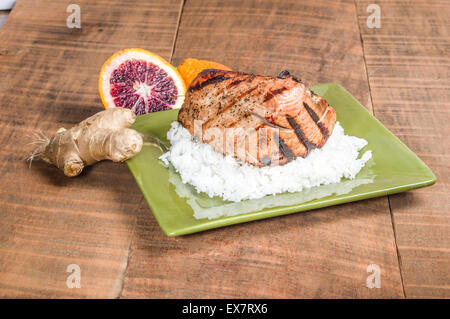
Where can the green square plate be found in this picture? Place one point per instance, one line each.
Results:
(393, 169)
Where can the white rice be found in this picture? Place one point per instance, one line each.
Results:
(216, 175)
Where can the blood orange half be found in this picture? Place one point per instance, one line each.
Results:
(141, 81)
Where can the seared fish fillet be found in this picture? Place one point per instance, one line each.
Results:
(261, 120)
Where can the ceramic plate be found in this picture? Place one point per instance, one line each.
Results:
(393, 169)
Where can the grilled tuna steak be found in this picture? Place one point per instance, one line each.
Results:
(261, 120)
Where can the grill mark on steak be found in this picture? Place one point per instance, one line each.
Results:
(284, 149)
(311, 112)
(271, 94)
(300, 134)
(236, 82)
(316, 120)
(281, 156)
(276, 92)
(268, 97)
(212, 80)
(208, 71)
(324, 131)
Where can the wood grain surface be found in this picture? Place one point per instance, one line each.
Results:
(49, 79)
(408, 61)
(324, 253)
(100, 221)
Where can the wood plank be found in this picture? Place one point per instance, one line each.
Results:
(49, 79)
(323, 253)
(409, 66)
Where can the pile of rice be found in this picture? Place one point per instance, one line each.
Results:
(216, 175)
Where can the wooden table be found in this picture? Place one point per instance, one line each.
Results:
(100, 221)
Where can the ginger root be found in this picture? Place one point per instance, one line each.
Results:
(104, 135)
